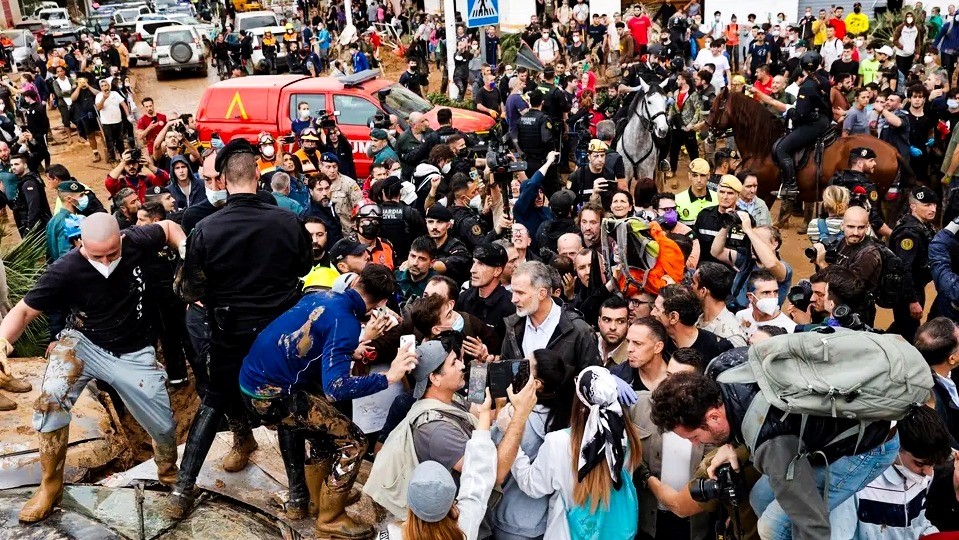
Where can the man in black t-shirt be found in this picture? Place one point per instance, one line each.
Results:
(488, 99)
(107, 337)
(679, 310)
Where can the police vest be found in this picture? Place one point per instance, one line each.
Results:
(689, 209)
(530, 133)
(394, 226)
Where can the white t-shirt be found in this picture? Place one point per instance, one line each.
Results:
(546, 50)
(722, 66)
(749, 323)
(581, 12)
(111, 112)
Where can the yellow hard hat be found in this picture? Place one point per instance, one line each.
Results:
(320, 276)
(289, 26)
(597, 145)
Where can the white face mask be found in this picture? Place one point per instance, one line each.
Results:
(105, 270)
(769, 306)
(217, 197)
(304, 114)
(476, 203)
(268, 151)
(911, 477)
(446, 168)
(927, 59)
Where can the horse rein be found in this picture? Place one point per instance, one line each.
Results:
(647, 123)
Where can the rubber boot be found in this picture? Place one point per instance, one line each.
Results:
(165, 458)
(333, 521)
(316, 473)
(789, 189)
(7, 404)
(198, 444)
(293, 451)
(53, 454)
(244, 444)
(15, 385)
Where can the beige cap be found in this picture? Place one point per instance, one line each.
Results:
(699, 166)
(731, 182)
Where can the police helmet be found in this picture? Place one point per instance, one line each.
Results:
(810, 62)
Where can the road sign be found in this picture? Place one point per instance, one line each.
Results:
(481, 13)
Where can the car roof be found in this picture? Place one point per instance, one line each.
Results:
(174, 27)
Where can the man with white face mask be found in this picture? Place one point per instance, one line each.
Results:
(763, 307)
(902, 489)
(107, 337)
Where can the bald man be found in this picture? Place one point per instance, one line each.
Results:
(107, 337)
(858, 252)
(569, 244)
(410, 141)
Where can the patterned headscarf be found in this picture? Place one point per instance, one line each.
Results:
(604, 435)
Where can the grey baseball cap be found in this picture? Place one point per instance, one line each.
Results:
(429, 356)
(431, 492)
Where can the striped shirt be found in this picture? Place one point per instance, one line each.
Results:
(892, 507)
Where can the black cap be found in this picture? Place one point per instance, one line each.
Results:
(345, 247)
(439, 212)
(157, 190)
(863, 152)
(491, 255)
(925, 195)
(237, 145)
(390, 181)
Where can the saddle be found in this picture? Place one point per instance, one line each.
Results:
(801, 157)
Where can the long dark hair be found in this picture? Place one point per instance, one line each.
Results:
(556, 394)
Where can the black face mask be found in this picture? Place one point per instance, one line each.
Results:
(370, 230)
(463, 152)
(857, 10)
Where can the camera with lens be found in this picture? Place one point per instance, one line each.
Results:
(380, 120)
(728, 487)
(136, 154)
(831, 245)
(325, 120)
(736, 238)
(847, 318)
(498, 157)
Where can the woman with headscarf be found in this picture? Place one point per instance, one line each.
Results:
(590, 465)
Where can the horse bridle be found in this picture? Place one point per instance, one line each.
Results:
(720, 114)
(647, 123)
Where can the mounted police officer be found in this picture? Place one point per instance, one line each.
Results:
(810, 117)
(910, 241)
(862, 192)
(535, 136)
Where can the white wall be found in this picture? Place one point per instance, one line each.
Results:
(762, 10)
(608, 7)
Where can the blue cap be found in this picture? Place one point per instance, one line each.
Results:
(330, 157)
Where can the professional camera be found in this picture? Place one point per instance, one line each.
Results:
(498, 157)
(847, 318)
(728, 487)
(736, 239)
(380, 120)
(326, 120)
(136, 154)
(831, 246)
(800, 295)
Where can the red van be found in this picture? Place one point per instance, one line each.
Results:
(248, 105)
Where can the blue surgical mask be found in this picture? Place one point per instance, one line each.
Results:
(216, 143)
(952, 103)
(83, 202)
(459, 323)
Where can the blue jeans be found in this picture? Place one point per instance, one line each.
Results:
(847, 476)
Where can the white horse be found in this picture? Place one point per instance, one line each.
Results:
(646, 118)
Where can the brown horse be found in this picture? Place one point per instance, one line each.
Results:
(756, 130)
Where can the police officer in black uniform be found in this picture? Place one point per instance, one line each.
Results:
(535, 136)
(468, 225)
(439, 136)
(400, 222)
(810, 117)
(910, 241)
(862, 162)
(244, 264)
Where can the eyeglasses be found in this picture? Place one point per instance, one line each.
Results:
(637, 302)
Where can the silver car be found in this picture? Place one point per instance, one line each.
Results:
(178, 48)
(25, 48)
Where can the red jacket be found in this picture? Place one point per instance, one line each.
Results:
(138, 183)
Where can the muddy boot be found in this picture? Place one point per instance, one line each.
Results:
(15, 385)
(7, 404)
(165, 458)
(293, 452)
(316, 472)
(333, 521)
(53, 454)
(198, 443)
(244, 444)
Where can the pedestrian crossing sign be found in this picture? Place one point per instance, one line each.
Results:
(481, 13)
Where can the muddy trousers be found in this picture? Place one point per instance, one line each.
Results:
(137, 377)
(332, 435)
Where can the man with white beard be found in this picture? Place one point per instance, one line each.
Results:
(541, 323)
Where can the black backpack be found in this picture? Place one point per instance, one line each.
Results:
(890, 291)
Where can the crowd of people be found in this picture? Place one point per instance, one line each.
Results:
(533, 344)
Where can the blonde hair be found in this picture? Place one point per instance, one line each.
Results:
(445, 529)
(597, 485)
(835, 200)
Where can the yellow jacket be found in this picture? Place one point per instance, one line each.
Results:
(819, 29)
(857, 23)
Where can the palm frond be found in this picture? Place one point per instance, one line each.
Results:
(23, 265)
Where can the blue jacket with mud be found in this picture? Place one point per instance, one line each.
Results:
(310, 345)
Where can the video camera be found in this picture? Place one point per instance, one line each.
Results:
(728, 487)
(736, 239)
(326, 120)
(847, 318)
(832, 250)
(498, 157)
(380, 120)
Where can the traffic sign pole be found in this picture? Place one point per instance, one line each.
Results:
(450, 8)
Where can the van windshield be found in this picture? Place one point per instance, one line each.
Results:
(19, 39)
(257, 21)
(53, 16)
(401, 102)
(171, 37)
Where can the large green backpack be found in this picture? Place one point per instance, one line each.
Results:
(836, 373)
